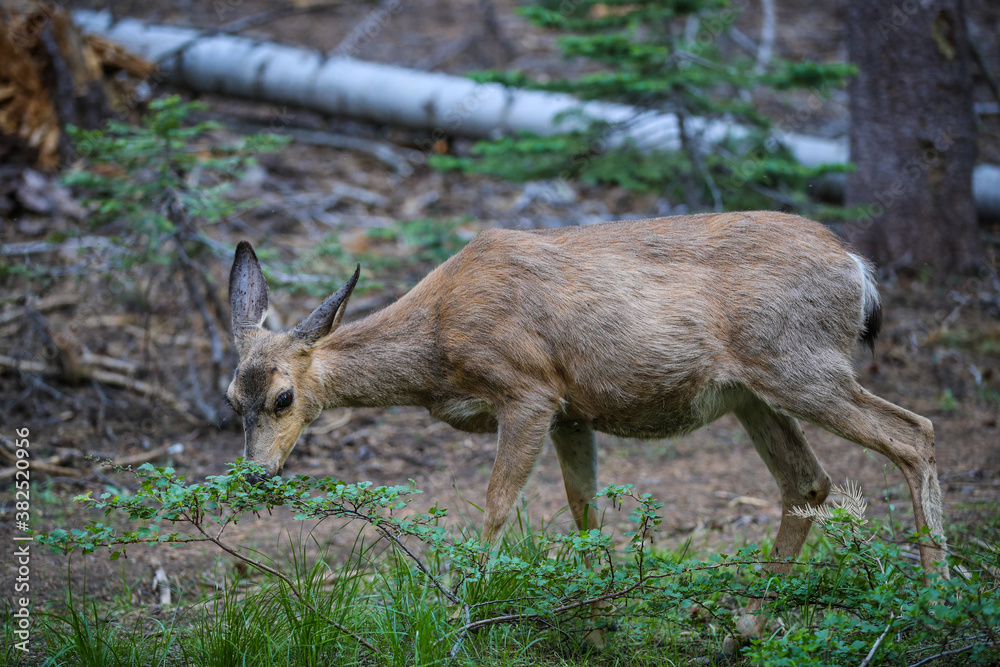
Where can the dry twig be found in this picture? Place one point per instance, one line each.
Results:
(161, 582)
(944, 654)
(878, 642)
(139, 459)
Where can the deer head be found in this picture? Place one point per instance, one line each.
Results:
(276, 387)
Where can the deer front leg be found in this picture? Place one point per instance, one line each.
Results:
(521, 436)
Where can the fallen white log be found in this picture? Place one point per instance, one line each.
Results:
(443, 104)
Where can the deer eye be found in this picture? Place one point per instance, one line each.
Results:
(283, 401)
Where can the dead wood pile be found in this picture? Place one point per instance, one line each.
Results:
(52, 75)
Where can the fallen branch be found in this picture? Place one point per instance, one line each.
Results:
(144, 389)
(126, 323)
(55, 465)
(945, 654)
(39, 306)
(379, 150)
(69, 245)
(51, 465)
(767, 32)
(111, 363)
(338, 192)
(54, 470)
(121, 322)
(23, 365)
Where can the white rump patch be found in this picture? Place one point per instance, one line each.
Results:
(869, 286)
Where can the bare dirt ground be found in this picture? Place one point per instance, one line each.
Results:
(939, 354)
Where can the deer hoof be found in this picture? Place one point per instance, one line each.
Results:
(595, 637)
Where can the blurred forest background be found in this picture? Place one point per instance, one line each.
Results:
(140, 141)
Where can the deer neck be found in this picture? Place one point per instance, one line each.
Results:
(386, 359)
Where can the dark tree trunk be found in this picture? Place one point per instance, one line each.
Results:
(913, 135)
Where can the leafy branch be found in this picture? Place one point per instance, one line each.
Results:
(835, 604)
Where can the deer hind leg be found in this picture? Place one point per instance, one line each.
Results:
(781, 444)
(905, 438)
(576, 448)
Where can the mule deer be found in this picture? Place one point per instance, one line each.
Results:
(644, 329)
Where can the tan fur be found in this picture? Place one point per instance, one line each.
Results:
(644, 329)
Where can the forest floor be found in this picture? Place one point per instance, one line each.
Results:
(939, 354)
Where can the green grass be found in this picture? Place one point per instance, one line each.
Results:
(82, 632)
(390, 604)
(265, 627)
(411, 591)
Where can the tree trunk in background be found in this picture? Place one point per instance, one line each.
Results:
(913, 135)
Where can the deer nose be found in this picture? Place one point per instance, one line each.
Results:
(256, 479)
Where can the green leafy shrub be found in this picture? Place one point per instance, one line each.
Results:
(420, 593)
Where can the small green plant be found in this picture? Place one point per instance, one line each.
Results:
(159, 183)
(947, 401)
(413, 246)
(663, 56)
(152, 191)
(422, 593)
(988, 395)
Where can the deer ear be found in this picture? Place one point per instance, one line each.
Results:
(322, 321)
(247, 292)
